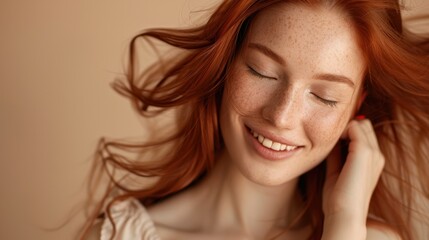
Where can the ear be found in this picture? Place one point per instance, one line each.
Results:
(361, 99)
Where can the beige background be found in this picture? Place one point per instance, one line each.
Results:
(57, 59)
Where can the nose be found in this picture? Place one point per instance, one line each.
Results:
(283, 110)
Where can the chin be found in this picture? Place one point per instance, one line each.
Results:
(269, 180)
(260, 171)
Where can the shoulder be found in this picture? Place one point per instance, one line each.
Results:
(377, 230)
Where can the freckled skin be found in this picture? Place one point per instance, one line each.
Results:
(311, 41)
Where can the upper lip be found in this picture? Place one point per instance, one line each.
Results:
(273, 137)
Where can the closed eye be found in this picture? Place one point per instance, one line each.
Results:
(330, 103)
(257, 74)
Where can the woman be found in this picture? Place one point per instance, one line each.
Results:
(265, 92)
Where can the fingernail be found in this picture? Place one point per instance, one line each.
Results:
(360, 117)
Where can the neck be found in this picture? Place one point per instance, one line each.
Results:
(235, 203)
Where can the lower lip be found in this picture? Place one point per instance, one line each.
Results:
(267, 153)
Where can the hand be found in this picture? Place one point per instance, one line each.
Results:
(347, 190)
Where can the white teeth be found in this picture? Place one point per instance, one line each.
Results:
(260, 138)
(268, 143)
(290, 148)
(276, 146)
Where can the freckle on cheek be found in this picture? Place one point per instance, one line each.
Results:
(239, 98)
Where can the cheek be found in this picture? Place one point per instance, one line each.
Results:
(324, 128)
(246, 95)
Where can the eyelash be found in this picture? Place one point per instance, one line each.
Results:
(330, 103)
(257, 74)
(327, 102)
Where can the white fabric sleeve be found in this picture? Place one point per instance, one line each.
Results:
(132, 222)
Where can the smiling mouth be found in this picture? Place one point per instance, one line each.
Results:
(270, 144)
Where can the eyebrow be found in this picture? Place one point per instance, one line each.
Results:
(335, 78)
(268, 52)
(324, 76)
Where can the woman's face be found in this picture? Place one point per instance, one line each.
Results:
(292, 91)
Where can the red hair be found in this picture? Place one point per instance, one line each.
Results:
(396, 82)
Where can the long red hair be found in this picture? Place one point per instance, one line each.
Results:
(192, 81)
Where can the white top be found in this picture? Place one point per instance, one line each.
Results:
(132, 222)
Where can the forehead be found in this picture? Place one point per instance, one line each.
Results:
(316, 21)
(324, 39)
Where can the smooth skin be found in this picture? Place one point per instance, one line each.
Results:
(249, 197)
(342, 222)
(353, 185)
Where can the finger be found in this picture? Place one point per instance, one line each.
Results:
(361, 132)
(364, 146)
(370, 133)
(364, 123)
